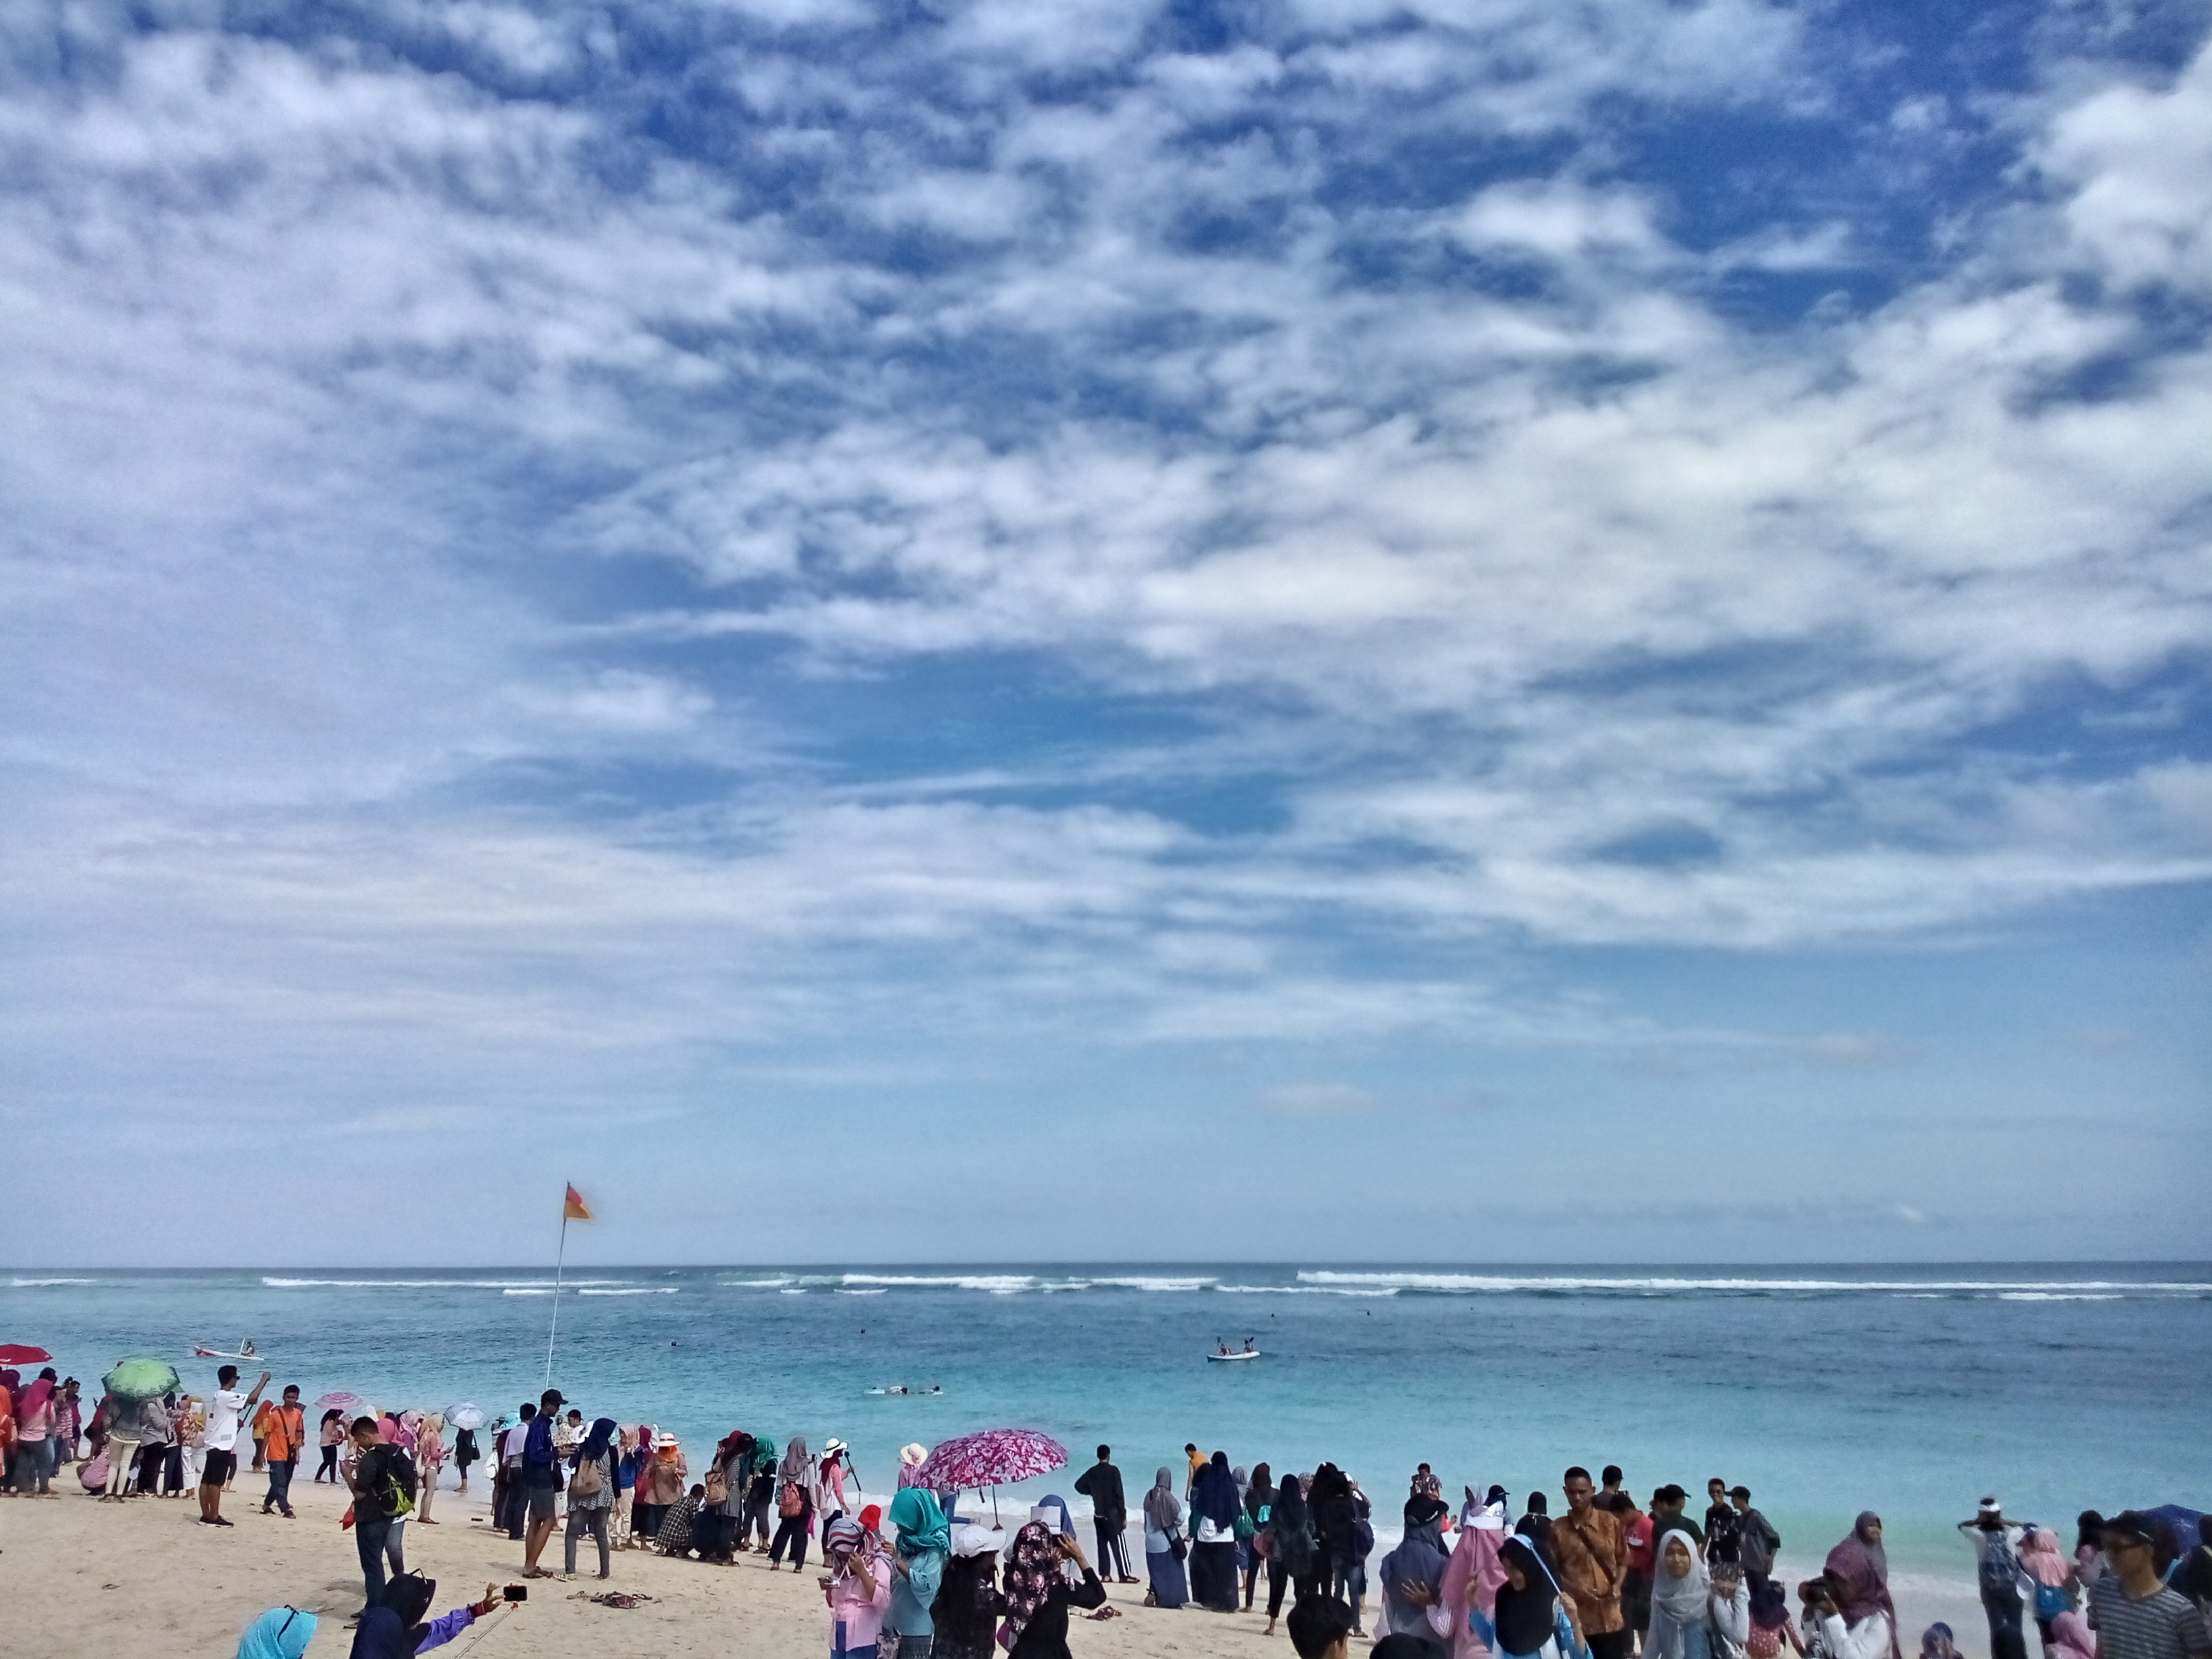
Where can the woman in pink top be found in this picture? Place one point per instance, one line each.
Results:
(857, 1587)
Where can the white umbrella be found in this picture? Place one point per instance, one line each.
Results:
(464, 1416)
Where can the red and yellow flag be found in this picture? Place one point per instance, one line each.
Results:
(575, 1209)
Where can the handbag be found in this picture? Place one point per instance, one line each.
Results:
(1178, 1545)
(590, 1479)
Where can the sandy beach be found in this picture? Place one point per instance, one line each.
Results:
(86, 1578)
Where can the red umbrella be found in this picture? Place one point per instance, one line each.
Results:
(992, 1457)
(16, 1353)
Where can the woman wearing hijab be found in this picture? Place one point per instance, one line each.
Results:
(1535, 1524)
(1830, 1633)
(923, 1538)
(591, 1494)
(1413, 1576)
(859, 1591)
(2053, 1575)
(1052, 1510)
(1164, 1545)
(716, 1528)
(394, 1628)
(1691, 1616)
(967, 1606)
(429, 1459)
(279, 1633)
(1937, 1642)
(1259, 1499)
(1857, 1572)
(1473, 1578)
(1293, 1553)
(659, 1484)
(829, 1494)
(34, 1424)
(676, 1527)
(1039, 1590)
(1215, 1502)
(794, 1505)
(1328, 1500)
(1526, 1607)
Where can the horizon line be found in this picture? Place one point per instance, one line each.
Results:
(1306, 1263)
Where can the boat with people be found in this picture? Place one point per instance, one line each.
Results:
(1225, 1355)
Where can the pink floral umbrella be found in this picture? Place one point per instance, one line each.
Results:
(993, 1457)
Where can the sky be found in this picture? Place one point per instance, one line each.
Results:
(1353, 629)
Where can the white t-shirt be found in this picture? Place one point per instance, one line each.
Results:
(222, 1420)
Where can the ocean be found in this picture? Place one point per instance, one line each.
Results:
(1910, 1391)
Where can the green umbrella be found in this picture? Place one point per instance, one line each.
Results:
(140, 1379)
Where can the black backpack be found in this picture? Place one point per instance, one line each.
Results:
(387, 1475)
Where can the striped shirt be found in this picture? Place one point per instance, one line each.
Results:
(2164, 1626)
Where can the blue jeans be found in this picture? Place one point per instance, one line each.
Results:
(279, 1485)
(370, 1535)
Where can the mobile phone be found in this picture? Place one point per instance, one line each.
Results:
(516, 1593)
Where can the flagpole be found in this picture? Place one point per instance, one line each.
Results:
(558, 1260)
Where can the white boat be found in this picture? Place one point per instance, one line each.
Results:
(1224, 1358)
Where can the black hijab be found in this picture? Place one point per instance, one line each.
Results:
(1290, 1514)
(1215, 1497)
(1525, 1615)
(395, 1628)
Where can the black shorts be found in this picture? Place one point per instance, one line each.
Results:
(541, 1503)
(217, 1467)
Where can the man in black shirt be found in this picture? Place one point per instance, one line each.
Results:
(1720, 1524)
(1110, 1513)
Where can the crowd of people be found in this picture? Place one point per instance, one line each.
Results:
(1604, 1578)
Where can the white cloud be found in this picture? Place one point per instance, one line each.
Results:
(2134, 164)
(344, 393)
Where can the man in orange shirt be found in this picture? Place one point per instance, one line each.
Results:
(1588, 1548)
(286, 1429)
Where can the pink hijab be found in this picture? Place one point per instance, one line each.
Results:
(1471, 1580)
(2038, 1554)
(2070, 1635)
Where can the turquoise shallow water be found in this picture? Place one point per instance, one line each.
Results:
(1910, 1391)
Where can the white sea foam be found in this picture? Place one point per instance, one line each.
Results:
(995, 1283)
(755, 1283)
(513, 1292)
(789, 1290)
(510, 1285)
(2060, 1295)
(878, 1290)
(25, 1283)
(1164, 1285)
(1502, 1283)
(1307, 1290)
(643, 1290)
